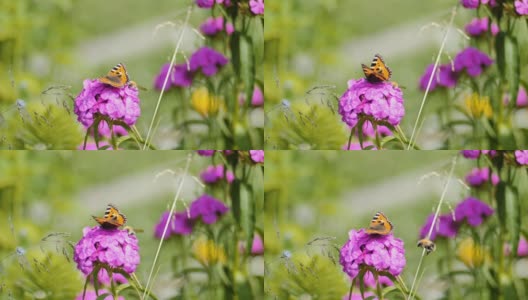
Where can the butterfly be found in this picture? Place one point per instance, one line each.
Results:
(117, 77)
(427, 244)
(379, 225)
(378, 70)
(112, 218)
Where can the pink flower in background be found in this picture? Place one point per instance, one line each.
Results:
(357, 146)
(229, 28)
(93, 146)
(491, 3)
(478, 27)
(472, 60)
(445, 226)
(521, 156)
(256, 6)
(521, 7)
(256, 100)
(522, 249)
(382, 252)
(257, 156)
(471, 154)
(490, 153)
(370, 281)
(257, 247)
(522, 98)
(179, 77)
(205, 152)
(205, 3)
(91, 295)
(368, 130)
(104, 130)
(444, 77)
(224, 2)
(212, 26)
(119, 104)
(179, 224)
(473, 211)
(103, 277)
(478, 177)
(379, 101)
(208, 209)
(114, 247)
(471, 4)
(207, 60)
(213, 174)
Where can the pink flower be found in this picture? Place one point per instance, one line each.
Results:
(256, 6)
(256, 100)
(205, 3)
(214, 174)
(522, 98)
(114, 247)
(207, 60)
(257, 247)
(521, 7)
(179, 224)
(478, 177)
(473, 211)
(445, 226)
(119, 104)
(522, 249)
(205, 152)
(208, 209)
(471, 4)
(257, 156)
(478, 27)
(382, 252)
(357, 146)
(521, 156)
(212, 26)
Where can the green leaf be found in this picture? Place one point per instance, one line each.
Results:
(512, 60)
(513, 216)
(247, 206)
(244, 61)
(243, 289)
(501, 203)
(499, 49)
(235, 200)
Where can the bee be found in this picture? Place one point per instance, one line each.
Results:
(427, 244)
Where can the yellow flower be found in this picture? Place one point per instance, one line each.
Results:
(205, 104)
(478, 106)
(208, 253)
(470, 254)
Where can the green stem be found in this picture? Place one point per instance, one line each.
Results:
(378, 286)
(350, 137)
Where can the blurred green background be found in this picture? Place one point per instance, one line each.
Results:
(319, 43)
(47, 49)
(321, 194)
(59, 191)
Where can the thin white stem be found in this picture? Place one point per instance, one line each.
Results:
(171, 212)
(444, 191)
(411, 142)
(173, 59)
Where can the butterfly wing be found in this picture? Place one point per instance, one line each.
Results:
(379, 225)
(116, 77)
(112, 218)
(378, 70)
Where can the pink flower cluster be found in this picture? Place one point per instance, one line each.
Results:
(213, 26)
(214, 174)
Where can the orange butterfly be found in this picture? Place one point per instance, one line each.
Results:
(427, 244)
(379, 225)
(378, 70)
(112, 218)
(117, 77)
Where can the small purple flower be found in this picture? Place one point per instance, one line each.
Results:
(179, 224)
(257, 247)
(472, 60)
(380, 101)
(208, 208)
(445, 226)
(205, 152)
(205, 3)
(179, 77)
(444, 76)
(478, 27)
(114, 247)
(229, 28)
(368, 130)
(521, 156)
(120, 104)
(473, 210)
(357, 146)
(521, 7)
(382, 252)
(258, 97)
(522, 249)
(257, 156)
(370, 281)
(522, 98)
(212, 25)
(91, 295)
(256, 6)
(470, 154)
(213, 174)
(471, 4)
(478, 177)
(208, 60)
